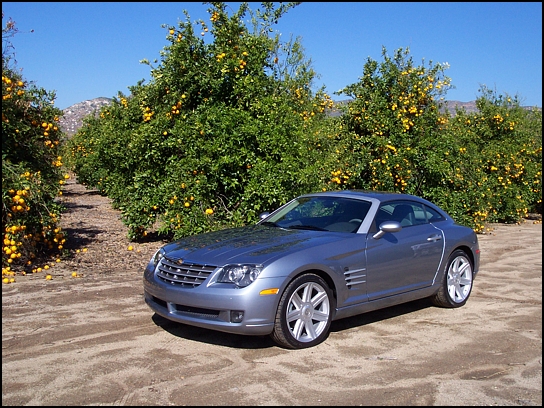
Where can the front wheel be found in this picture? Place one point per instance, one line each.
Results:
(457, 283)
(304, 313)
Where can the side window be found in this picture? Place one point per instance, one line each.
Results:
(433, 215)
(419, 214)
(406, 213)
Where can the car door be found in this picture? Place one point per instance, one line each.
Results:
(405, 260)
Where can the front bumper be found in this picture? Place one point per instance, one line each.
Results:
(213, 307)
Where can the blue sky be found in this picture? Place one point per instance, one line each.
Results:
(85, 50)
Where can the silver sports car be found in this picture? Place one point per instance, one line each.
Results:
(318, 258)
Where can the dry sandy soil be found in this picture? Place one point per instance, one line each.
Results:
(92, 340)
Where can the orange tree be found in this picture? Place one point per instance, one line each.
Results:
(498, 156)
(221, 133)
(31, 176)
(390, 137)
(229, 127)
(396, 135)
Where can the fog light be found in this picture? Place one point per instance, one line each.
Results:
(236, 316)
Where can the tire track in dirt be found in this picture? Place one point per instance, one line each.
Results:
(93, 341)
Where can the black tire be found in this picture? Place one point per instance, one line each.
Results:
(457, 282)
(304, 314)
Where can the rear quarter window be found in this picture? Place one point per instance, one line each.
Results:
(432, 215)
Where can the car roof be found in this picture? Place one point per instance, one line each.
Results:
(366, 194)
(380, 196)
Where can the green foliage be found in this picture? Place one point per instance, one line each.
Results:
(229, 127)
(30, 166)
(499, 151)
(483, 167)
(390, 134)
(216, 137)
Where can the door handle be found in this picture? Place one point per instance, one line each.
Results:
(434, 238)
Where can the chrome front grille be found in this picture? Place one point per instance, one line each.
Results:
(183, 274)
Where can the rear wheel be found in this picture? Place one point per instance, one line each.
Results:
(457, 283)
(304, 314)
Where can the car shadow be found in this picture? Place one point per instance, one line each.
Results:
(379, 315)
(262, 342)
(212, 336)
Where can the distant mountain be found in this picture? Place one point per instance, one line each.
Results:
(451, 106)
(469, 107)
(73, 116)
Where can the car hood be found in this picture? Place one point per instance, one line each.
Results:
(252, 244)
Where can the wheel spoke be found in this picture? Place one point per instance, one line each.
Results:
(307, 293)
(310, 331)
(320, 315)
(298, 329)
(466, 281)
(462, 268)
(296, 301)
(454, 267)
(293, 315)
(452, 290)
(317, 299)
(458, 292)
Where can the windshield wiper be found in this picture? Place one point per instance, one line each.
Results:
(307, 227)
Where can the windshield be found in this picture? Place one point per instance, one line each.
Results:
(321, 213)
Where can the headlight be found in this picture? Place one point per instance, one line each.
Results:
(240, 275)
(157, 257)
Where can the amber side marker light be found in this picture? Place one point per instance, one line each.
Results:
(269, 291)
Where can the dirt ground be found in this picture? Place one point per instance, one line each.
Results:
(91, 340)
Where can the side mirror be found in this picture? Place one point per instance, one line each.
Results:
(387, 226)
